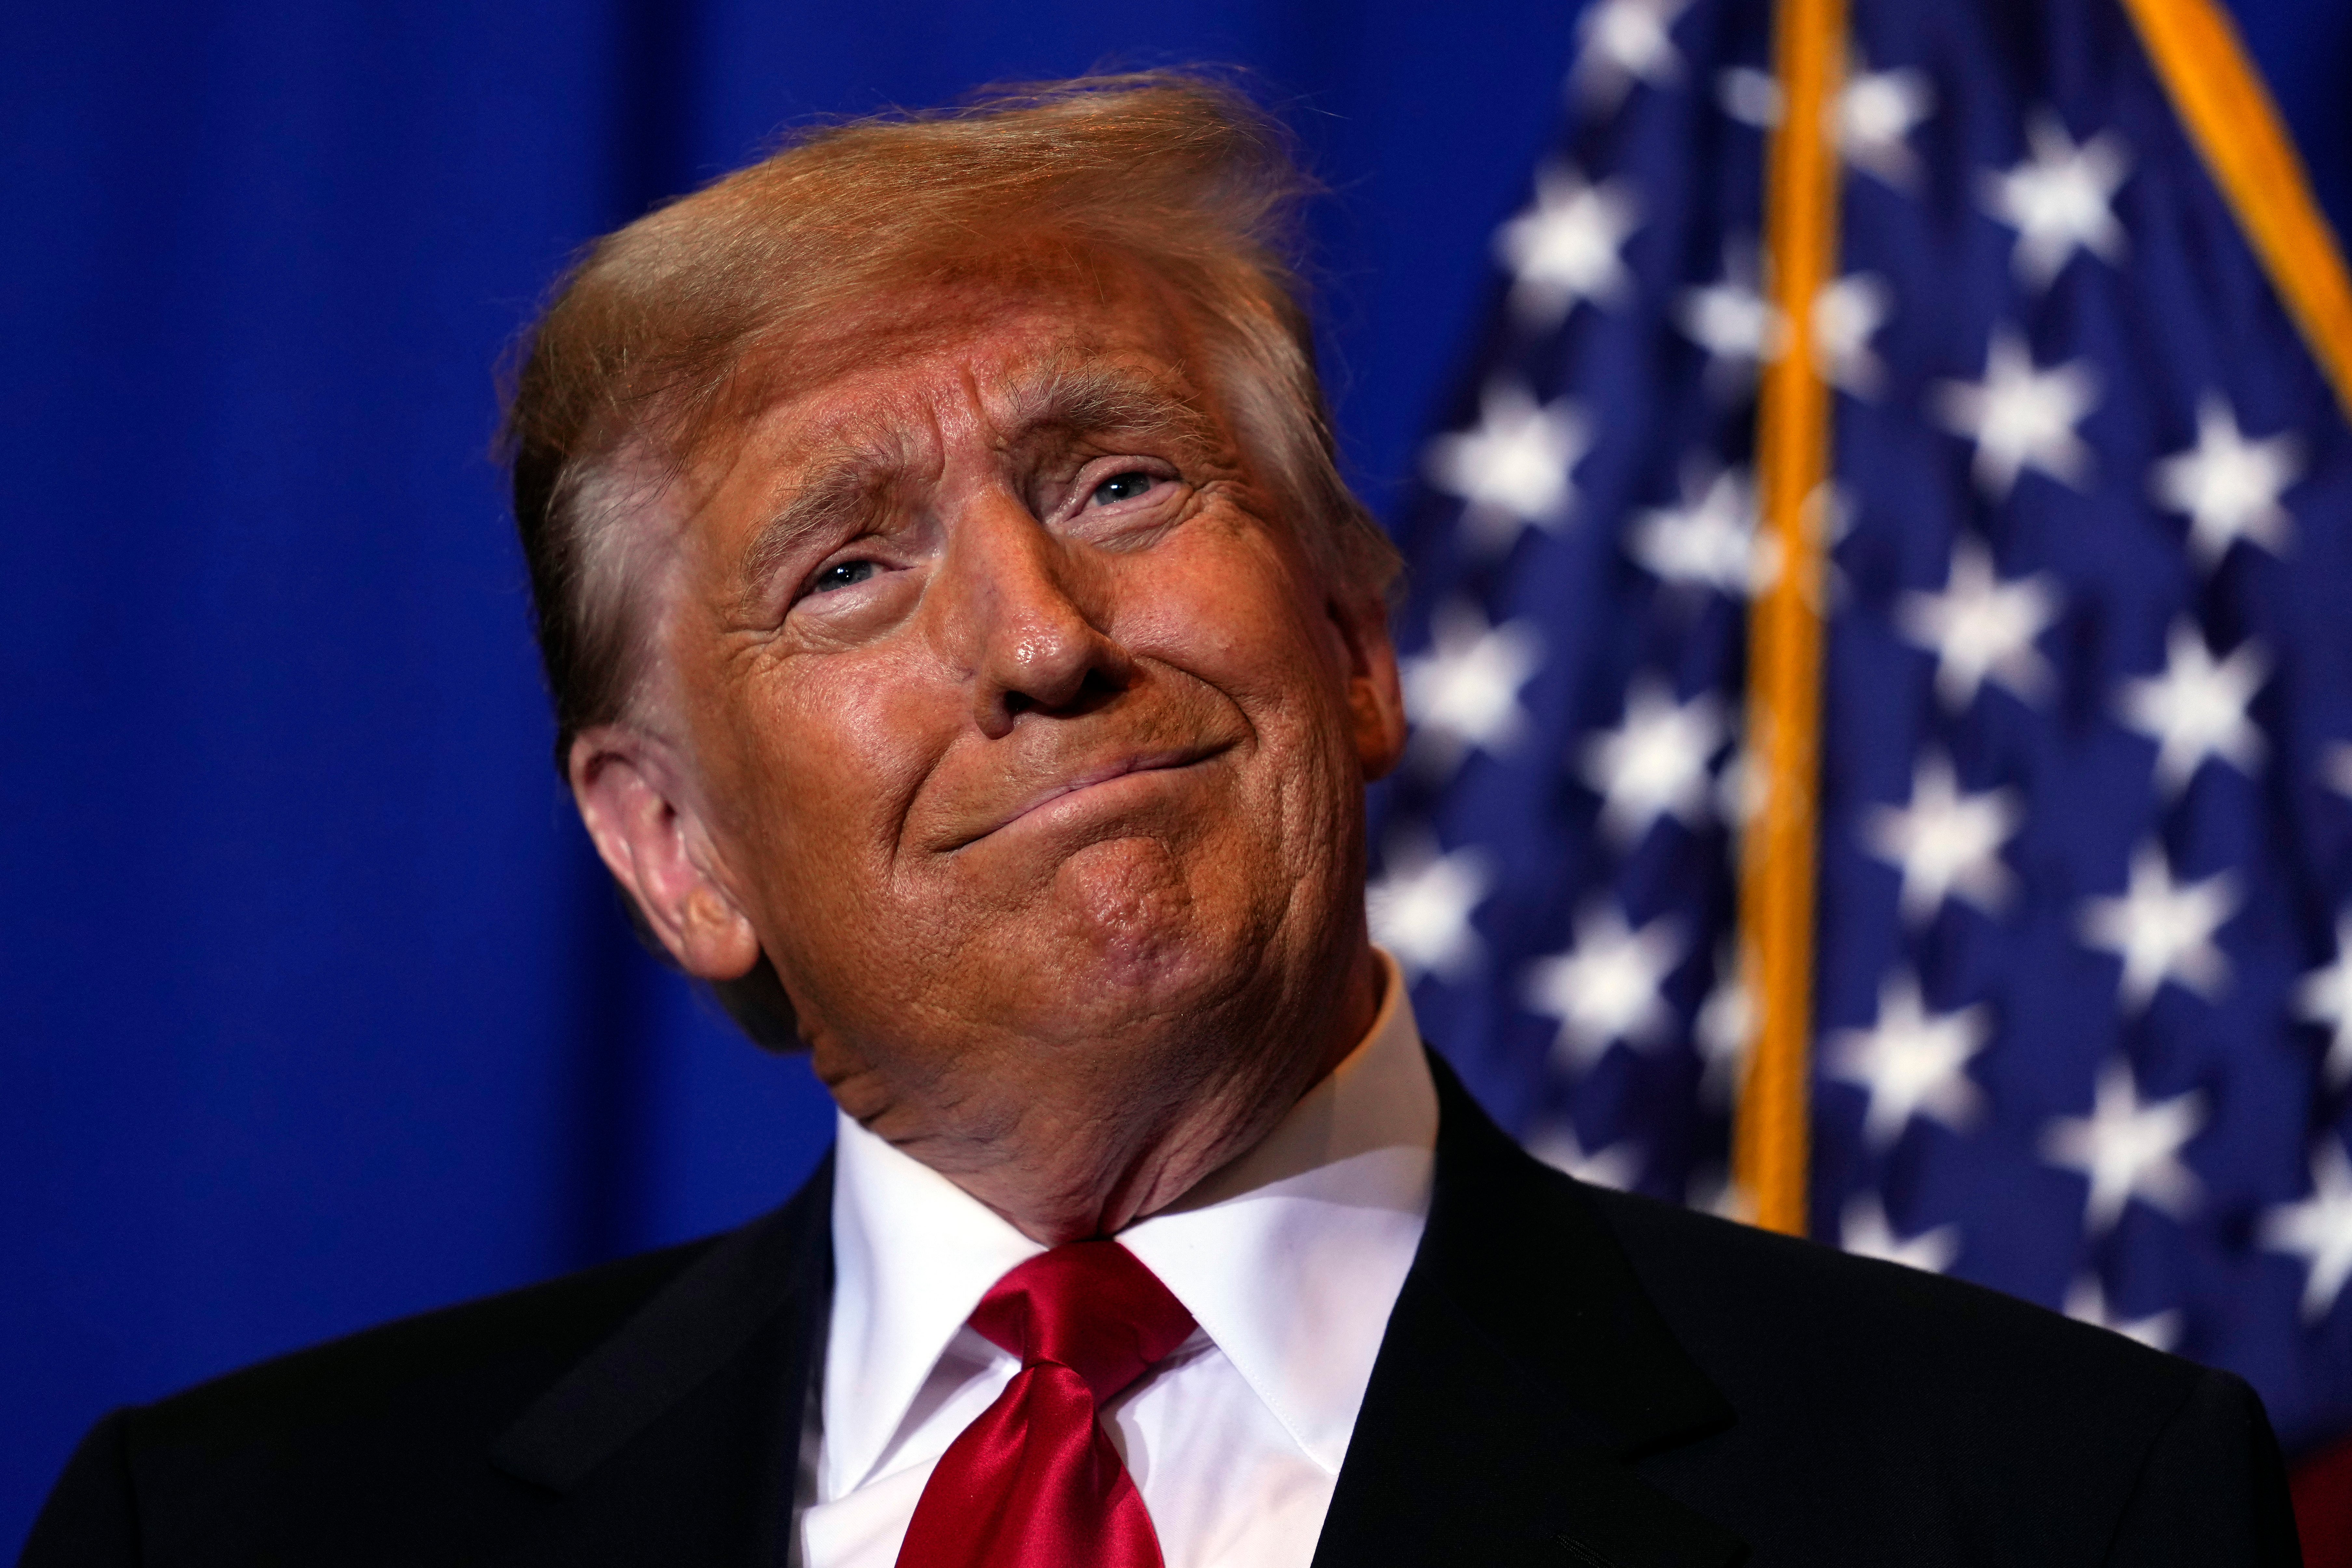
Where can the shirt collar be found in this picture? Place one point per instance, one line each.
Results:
(1289, 1257)
(912, 1255)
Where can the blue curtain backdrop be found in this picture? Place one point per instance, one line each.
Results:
(315, 1008)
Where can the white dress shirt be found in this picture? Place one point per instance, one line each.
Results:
(1289, 1259)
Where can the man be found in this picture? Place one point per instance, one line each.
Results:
(966, 657)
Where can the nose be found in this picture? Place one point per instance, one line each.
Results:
(1024, 617)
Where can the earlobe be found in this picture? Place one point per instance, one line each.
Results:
(1378, 708)
(632, 795)
(1375, 696)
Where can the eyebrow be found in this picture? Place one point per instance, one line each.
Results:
(1060, 394)
(1063, 393)
(836, 480)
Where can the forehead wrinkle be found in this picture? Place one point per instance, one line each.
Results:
(1066, 391)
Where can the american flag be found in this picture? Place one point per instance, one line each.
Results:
(2083, 997)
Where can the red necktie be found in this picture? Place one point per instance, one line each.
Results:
(1035, 1482)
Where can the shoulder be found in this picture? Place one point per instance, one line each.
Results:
(380, 1434)
(460, 1367)
(1736, 1296)
(438, 1437)
(1875, 1396)
(1772, 1322)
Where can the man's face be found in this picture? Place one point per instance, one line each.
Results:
(1030, 741)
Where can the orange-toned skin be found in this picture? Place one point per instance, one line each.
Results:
(993, 701)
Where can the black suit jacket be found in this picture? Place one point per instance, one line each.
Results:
(1573, 1378)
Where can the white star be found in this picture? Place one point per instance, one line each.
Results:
(1464, 693)
(1655, 763)
(2336, 767)
(1863, 1231)
(1740, 329)
(2019, 416)
(1980, 626)
(1733, 322)
(2197, 708)
(2228, 485)
(2163, 930)
(1871, 116)
(1604, 988)
(1724, 1030)
(2325, 997)
(1513, 469)
(1620, 42)
(1846, 315)
(2057, 199)
(2318, 1229)
(1910, 1063)
(1710, 540)
(1945, 842)
(2130, 1148)
(1619, 1166)
(1741, 788)
(1876, 113)
(2087, 1303)
(1825, 518)
(1751, 97)
(1419, 908)
(1564, 249)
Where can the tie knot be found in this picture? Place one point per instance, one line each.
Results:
(1086, 1305)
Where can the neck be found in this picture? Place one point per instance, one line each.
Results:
(1099, 1163)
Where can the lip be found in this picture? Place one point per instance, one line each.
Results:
(1088, 778)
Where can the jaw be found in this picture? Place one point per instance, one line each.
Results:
(1077, 1165)
(1103, 1082)
(1078, 1041)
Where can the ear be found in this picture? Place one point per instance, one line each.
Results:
(633, 793)
(1375, 699)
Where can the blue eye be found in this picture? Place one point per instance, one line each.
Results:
(1122, 487)
(842, 574)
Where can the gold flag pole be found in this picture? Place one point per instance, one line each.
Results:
(2221, 99)
(1772, 1136)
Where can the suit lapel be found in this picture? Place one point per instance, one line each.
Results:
(1522, 1370)
(677, 1439)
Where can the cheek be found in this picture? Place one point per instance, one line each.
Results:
(1230, 608)
(831, 752)
(1245, 620)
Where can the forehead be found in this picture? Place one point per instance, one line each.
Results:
(877, 405)
(1009, 354)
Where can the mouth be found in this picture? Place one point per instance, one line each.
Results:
(1097, 777)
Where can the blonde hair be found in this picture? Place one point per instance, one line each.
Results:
(642, 354)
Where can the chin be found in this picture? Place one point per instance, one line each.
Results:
(1134, 934)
